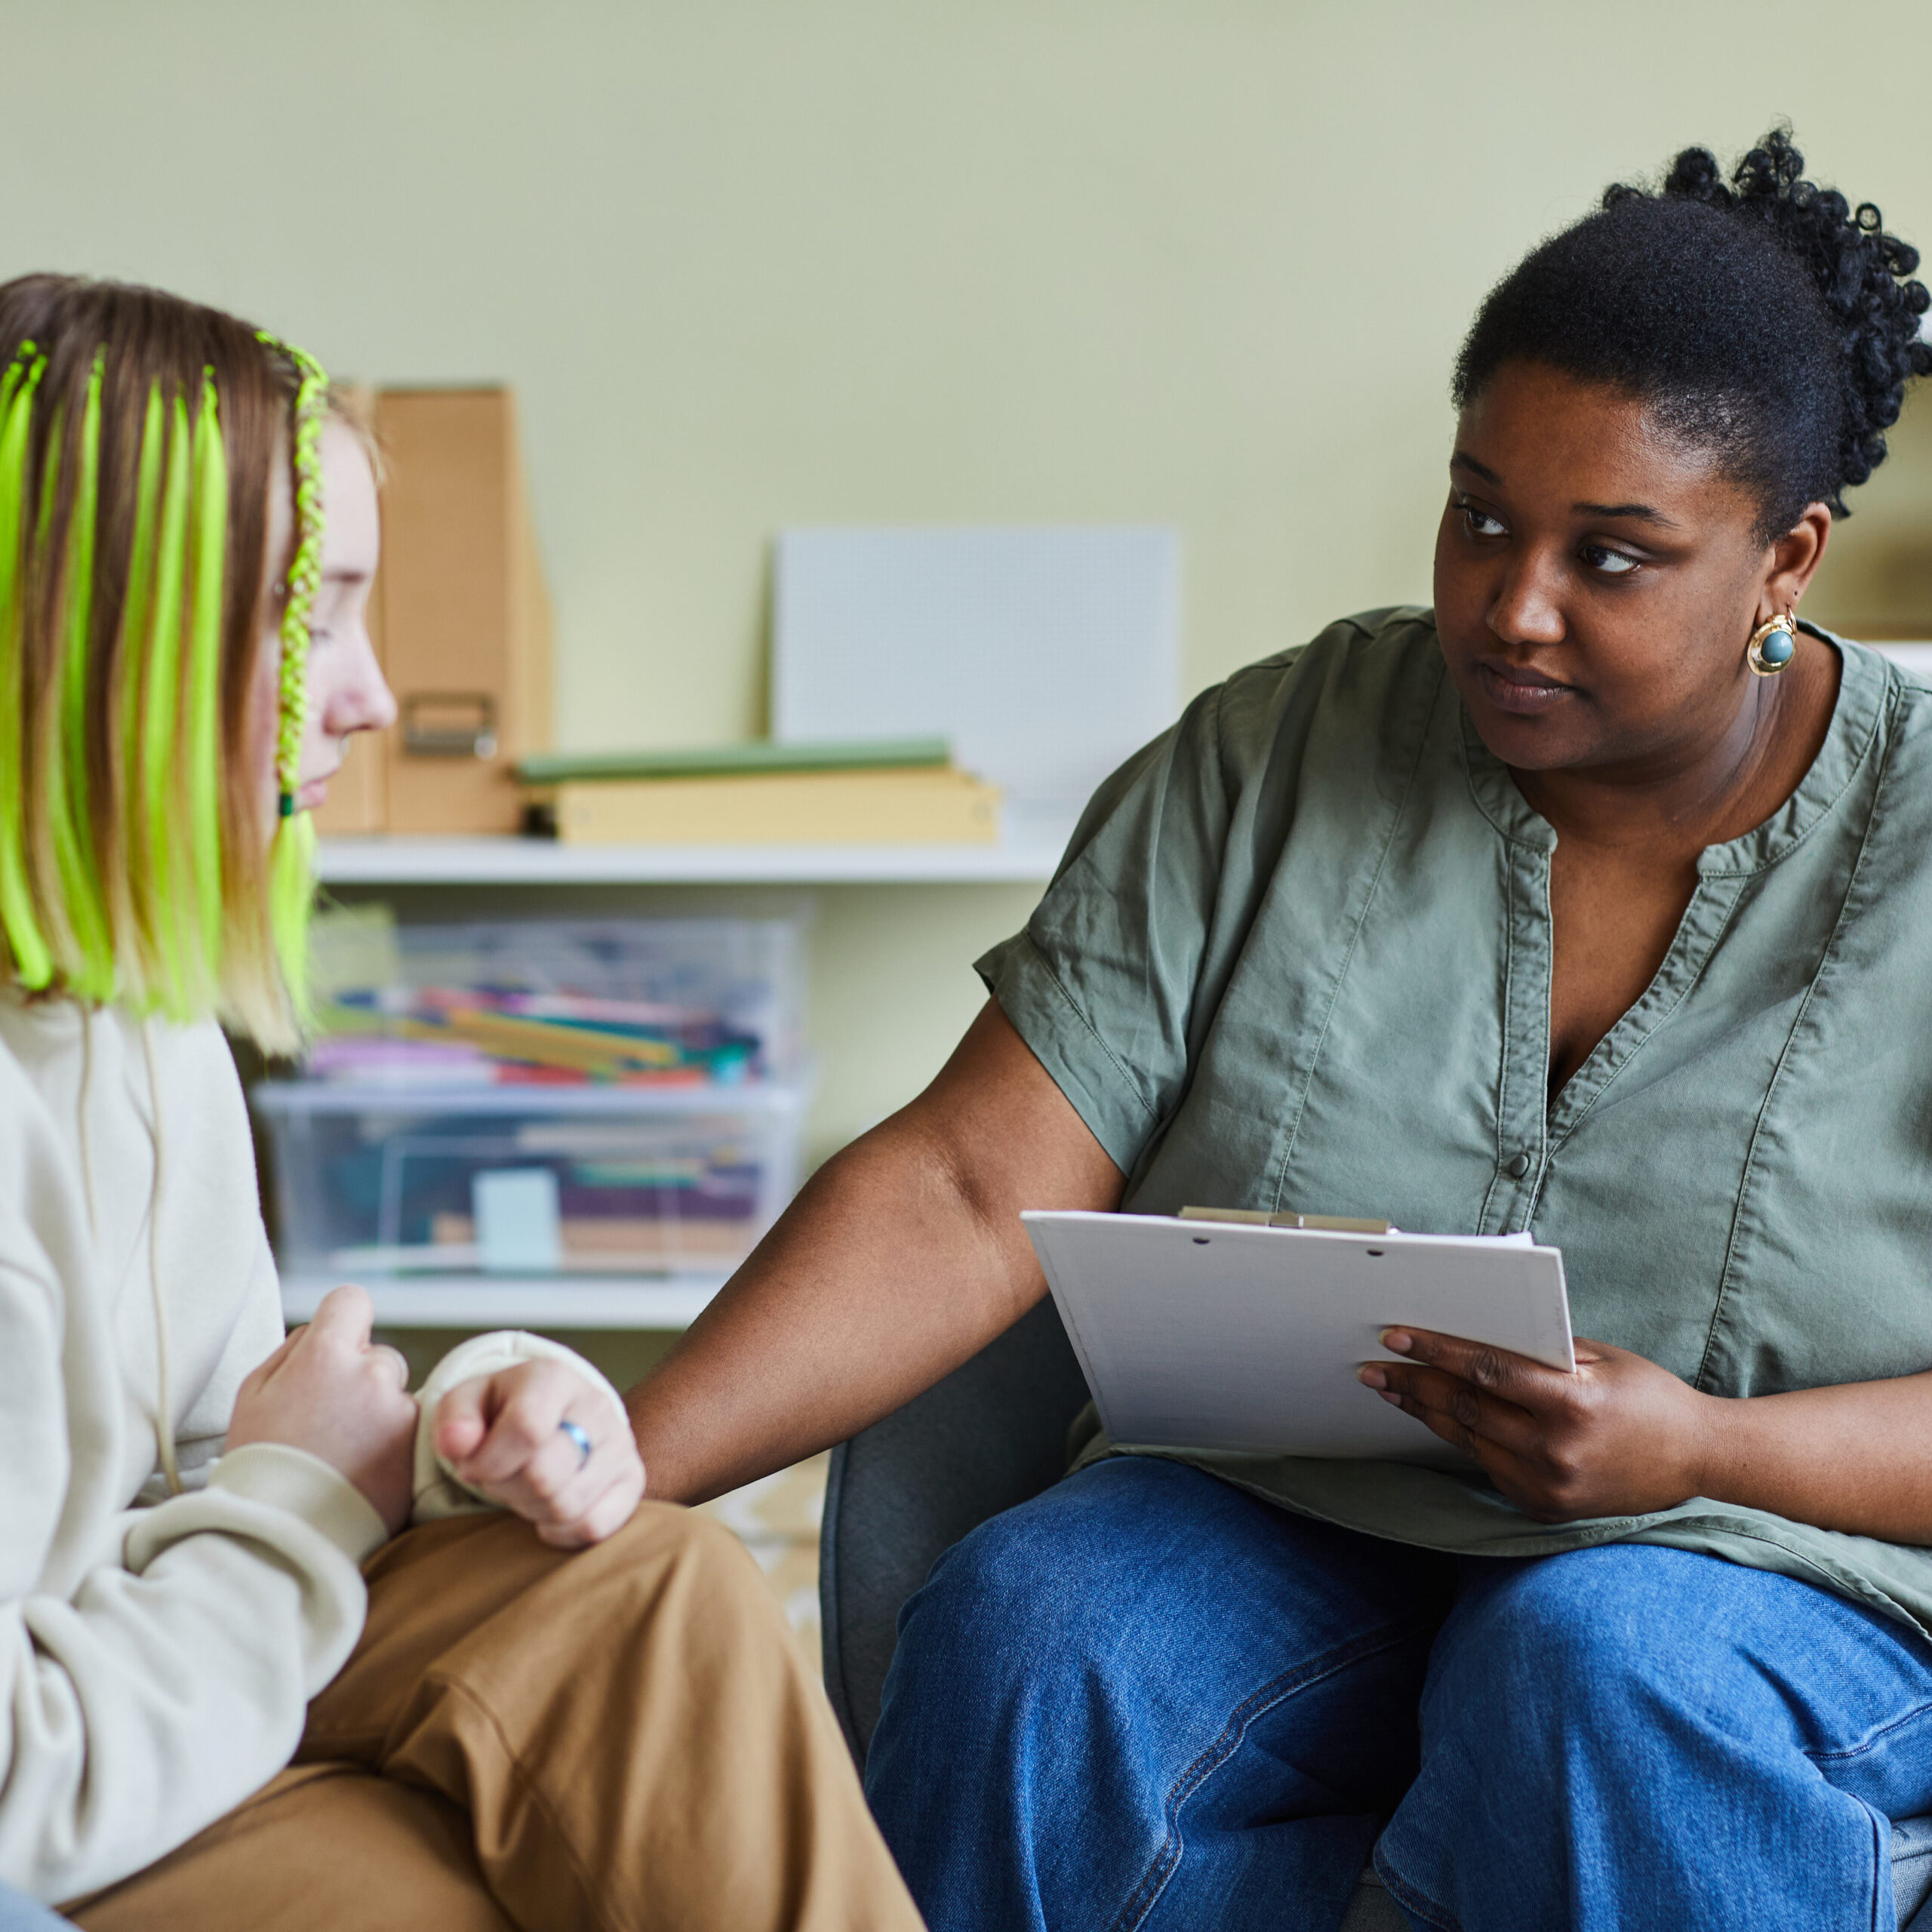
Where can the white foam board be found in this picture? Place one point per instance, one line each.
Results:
(1047, 655)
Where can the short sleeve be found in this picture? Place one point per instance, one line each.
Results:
(1102, 983)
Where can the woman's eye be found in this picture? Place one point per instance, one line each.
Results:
(1480, 523)
(1609, 562)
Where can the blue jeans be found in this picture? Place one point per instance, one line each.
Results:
(20, 1914)
(1145, 1699)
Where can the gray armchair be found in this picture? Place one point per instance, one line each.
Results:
(989, 1436)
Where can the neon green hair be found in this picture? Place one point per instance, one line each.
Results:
(117, 878)
(291, 857)
(33, 958)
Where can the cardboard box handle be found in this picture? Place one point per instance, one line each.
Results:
(449, 724)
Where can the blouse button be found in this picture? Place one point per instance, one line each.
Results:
(1518, 1166)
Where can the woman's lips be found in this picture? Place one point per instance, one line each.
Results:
(1524, 693)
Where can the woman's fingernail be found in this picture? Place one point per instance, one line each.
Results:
(1390, 1395)
(1372, 1376)
(1397, 1341)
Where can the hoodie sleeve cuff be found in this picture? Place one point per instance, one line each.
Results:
(290, 1478)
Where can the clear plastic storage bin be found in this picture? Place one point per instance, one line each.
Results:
(586, 1099)
(570, 1181)
(638, 1002)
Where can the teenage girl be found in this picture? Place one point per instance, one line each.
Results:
(237, 1688)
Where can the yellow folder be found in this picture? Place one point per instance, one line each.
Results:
(913, 807)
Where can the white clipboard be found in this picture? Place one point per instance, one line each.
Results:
(1201, 1334)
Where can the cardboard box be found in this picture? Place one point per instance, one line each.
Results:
(460, 622)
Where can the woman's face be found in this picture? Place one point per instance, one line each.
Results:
(1597, 579)
(346, 691)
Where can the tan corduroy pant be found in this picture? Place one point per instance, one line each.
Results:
(622, 1737)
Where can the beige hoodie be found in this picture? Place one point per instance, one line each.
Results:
(156, 1654)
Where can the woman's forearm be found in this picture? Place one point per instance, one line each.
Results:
(902, 1257)
(1857, 1458)
(876, 1282)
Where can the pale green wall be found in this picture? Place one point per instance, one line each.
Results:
(748, 263)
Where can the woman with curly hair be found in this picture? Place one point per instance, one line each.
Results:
(1596, 899)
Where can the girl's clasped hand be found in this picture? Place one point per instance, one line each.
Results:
(332, 1390)
(541, 1440)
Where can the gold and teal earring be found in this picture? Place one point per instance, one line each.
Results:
(1773, 646)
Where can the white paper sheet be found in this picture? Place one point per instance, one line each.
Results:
(1204, 1334)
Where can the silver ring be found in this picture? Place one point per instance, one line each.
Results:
(580, 1436)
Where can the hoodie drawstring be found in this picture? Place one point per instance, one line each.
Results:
(164, 1431)
(81, 1121)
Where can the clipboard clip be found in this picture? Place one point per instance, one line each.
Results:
(1260, 1217)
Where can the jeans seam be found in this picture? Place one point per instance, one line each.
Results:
(1880, 1870)
(1418, 1902)
(1438, 1914)
(1873, 1740)
(1233, 1733)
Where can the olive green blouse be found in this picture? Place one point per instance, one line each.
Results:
(1298, 956)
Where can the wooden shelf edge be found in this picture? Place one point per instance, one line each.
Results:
(484, 1301)
(491, 861)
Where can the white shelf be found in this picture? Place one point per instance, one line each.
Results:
(421, 1095)
(1916, 658)
(498, 1301)
(1025, 857)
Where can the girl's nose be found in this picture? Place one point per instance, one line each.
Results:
(363, 701)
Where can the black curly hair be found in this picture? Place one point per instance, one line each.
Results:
(1764, 318)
